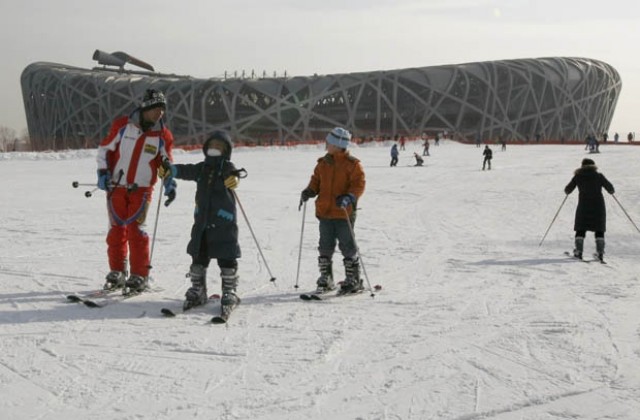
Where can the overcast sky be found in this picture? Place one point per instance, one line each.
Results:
(205, 38)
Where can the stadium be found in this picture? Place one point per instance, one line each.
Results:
(553, 99)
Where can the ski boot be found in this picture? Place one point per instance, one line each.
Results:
(115, 280)
(229, 298)
(325, 281)
(352, 282)
(577, 252)
(135, 284)
(600, 249)
(197, 293)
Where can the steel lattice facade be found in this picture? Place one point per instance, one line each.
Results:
(557, 98)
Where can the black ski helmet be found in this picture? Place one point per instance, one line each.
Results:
(222, 136)
(153, 98)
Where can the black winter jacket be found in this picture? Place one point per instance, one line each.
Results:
(215, 209)
(591, 213)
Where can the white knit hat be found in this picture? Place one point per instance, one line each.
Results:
(339, 137)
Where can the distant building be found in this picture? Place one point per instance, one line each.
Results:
(70, 107)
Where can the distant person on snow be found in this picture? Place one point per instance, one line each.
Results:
(214, 233)
(128, 161)
(394, 155)
(419, 160)
(338, 181)
(488, 155)
(591, 214)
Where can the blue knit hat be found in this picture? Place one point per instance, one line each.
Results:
(339, 137)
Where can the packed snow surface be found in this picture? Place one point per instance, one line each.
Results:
(476, 318)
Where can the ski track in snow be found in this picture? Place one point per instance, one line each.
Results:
(475, 320)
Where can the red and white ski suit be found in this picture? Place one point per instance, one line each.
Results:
(132, 157)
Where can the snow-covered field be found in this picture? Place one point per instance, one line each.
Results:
(475, 320)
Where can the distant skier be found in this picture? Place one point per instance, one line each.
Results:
(214, 233)
(425, 151)
(419, 160)
(591, 214)
(488, 155)
(394, 155)
(338, 181)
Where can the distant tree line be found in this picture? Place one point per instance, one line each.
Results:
(10, 142)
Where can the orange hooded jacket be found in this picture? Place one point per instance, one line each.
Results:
(334, 175)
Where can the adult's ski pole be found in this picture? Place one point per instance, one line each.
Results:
(155, 225)
(554, 219)
(625, 212)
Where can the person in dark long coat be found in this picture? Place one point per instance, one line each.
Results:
(591, 213)
(214, 234)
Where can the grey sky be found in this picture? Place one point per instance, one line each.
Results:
(205, 38)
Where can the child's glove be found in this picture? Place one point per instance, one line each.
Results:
(344, 200)
(306, 194)
(103, 179)
(231, 182)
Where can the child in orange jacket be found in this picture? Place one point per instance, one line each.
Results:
(338, 181)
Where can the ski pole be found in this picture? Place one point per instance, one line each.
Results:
(353, 236)
(246, 219)
(111, 190)
(77, 184)
(90, 193)
(87, 194)
(625, 212)
(155, 226)
(554, 219)
(304, 212)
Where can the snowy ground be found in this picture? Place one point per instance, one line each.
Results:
(475, 320)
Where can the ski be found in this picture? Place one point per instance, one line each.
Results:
(327, 295)
(87, 298)
(109, 299)
(316, 295)
(172, 313)
(225, 313)
(595, 258)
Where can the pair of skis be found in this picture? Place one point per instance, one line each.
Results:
(222, 318)
(595, 258)
(326, 294)
(100, 298)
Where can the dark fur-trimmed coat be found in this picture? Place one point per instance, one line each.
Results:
(215, 210)
(591, 213)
